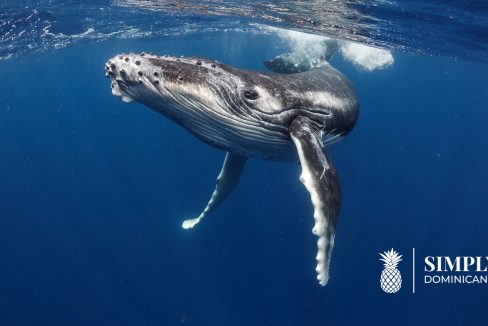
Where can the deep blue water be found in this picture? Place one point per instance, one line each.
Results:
(93, 193)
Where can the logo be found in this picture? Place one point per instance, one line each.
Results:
(436, 271)
(459, 269)
(391, 278)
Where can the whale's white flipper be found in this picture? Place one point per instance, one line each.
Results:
(226, 182)
(320, 179)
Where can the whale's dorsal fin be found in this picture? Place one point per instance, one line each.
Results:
(303, 59)
(320, 179)
(226, 182)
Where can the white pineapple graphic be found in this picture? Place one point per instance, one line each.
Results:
(391, 279)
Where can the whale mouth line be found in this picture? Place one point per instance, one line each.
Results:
(121, 88)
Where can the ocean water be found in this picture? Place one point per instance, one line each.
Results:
(93, 191)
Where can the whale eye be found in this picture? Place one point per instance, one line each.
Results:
(251, 94)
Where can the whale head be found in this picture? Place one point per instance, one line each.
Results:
(220, 104)
(170, 84)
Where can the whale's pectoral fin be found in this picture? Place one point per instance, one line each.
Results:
(226, 182)
(320, 179)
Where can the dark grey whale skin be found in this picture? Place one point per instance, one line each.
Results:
(283, 86)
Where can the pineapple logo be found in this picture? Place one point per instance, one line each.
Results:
(391, 279)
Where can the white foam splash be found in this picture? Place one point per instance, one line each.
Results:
(311, 45)
(296, 40)
(366, 57)
(304, 46)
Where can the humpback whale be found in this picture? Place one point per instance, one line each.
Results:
(249, 114)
